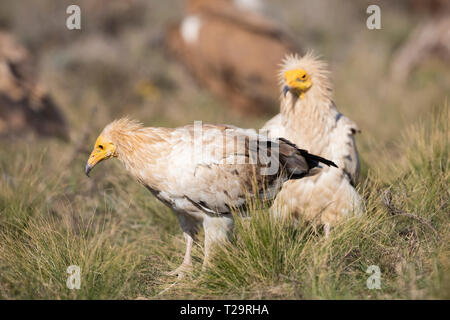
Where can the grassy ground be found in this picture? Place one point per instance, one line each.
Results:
(52, 216)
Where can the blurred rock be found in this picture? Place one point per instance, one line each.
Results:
(233, 50)
(24, 104)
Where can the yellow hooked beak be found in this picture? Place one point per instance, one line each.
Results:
(103, 150)
(297, 81)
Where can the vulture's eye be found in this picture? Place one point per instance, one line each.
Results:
(100, 146)
(301, 78)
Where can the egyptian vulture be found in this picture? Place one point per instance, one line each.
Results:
(25, 105)
(232, 50)
(308, 117)
(203, 172)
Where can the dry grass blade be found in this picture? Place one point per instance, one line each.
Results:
(395, 211)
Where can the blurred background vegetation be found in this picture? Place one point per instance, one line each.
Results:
(117, 62)
(52, 216)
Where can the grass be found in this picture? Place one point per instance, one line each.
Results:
(51, 219)
(124, 240)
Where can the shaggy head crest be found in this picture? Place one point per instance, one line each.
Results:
(305, 75)
(108, 142)
(122, 126)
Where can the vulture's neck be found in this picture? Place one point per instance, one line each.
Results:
(142, 151)
(310, 119)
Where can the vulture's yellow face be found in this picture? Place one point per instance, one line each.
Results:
(297, 81)
(103, 149)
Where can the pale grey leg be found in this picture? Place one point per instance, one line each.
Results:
(186, 266)
(190, 228)
(217, 231)
(326, 228)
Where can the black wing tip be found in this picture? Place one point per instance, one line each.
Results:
(308, 155)
(315, 158)
(322, 160)
(329, 163)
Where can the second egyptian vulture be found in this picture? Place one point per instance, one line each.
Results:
(203, 172)
(309, 118)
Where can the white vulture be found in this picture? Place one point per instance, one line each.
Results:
(203, 172)
(308, 117)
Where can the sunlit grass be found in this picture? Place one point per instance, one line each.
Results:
(124, 240)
